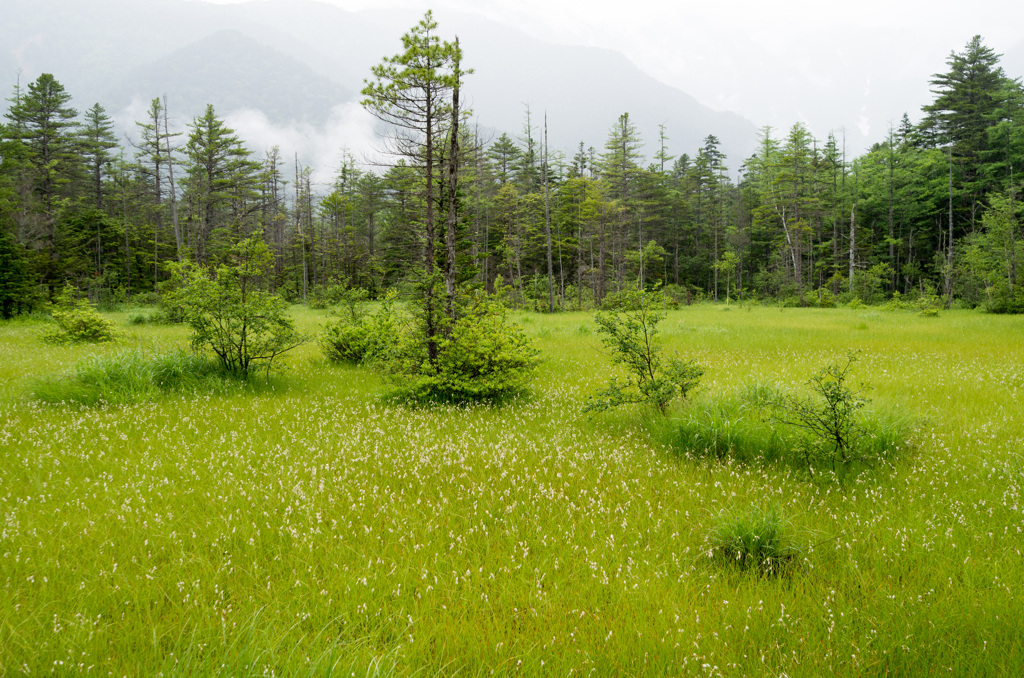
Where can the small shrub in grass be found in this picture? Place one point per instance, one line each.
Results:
(357, 336)
(231, 313)
(830, 422)
(631, 336)
(757, 539)
(132, 376)
(749, 426)
(77, 321)
(137, 319)
(482, 357)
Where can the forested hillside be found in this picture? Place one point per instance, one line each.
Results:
(933, 211)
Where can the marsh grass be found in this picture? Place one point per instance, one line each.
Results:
(757, 538)
(739, 426)
(311, 529)
(133, 375)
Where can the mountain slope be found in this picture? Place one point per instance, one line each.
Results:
(297, 59)
(233, 71)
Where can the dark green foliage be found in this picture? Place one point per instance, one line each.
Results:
(131, 376)
(652, 379)
(757, 540)
(17, 293)
(231, 314)
(77, 321)
(482, 357)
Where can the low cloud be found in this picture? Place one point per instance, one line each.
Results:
(348, 130)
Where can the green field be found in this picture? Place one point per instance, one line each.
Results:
(307, 528)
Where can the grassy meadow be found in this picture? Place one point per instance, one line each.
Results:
(303, 527)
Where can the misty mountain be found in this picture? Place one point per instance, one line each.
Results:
(233, 71)
(296, 61)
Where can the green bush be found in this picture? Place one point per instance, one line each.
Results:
(756, 539)
(231, 314)
(631, 336)
(747, 426)
(77, 321)
(1005, 299)
(831, 422)
(481, 357)
(357, 337)
(825, 298)
(336, 294)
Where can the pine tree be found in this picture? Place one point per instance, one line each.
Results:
(98, 140)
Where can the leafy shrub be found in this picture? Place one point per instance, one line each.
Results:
(229, 312)
(359, 337)
(746, 426)
(77, 321)
(651, 378)
(482, 357)
(830, 422)
(131, 376)
(337, 294)
(753, 540)
(1005, 299)
(825, 298)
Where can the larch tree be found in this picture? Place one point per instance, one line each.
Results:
(412, 93)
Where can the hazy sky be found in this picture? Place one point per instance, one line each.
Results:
(852, 65)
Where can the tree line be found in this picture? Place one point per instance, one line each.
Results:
(930, 212)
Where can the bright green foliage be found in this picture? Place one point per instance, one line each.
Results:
(482, 357)
(652, 379)
(337, 294)
(231, 314)
(359, 336)
(131, 376)
(78, 320)
(756, 539)
(831, 421)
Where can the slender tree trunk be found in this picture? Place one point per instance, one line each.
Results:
(174, 193)
(298, 226)
(547, 221)
(451, 269)
(949, 256)
(853, 243)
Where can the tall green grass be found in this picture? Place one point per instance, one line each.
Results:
(316, 530)
(133, 375)
(739, 425)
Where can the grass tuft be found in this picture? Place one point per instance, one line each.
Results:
(737, 427)
(757, 539)
(132, 376)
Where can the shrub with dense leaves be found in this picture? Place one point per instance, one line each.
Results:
(231, 314)
(359, 336)
(480, 357)
(77, 321)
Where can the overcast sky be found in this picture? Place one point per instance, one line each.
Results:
(856, 66)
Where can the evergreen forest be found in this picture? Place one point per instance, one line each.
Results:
(932, 213)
